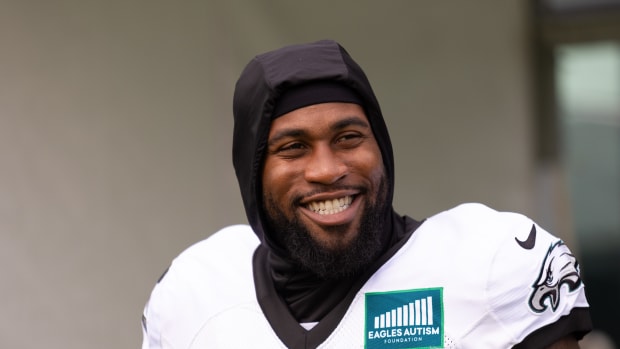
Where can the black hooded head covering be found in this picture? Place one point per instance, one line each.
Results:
(272, 84)
(263, 82)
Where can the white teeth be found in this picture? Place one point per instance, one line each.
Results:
(330, 206)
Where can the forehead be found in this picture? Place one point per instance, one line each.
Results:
(320, 117)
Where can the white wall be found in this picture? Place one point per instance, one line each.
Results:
(115, 134)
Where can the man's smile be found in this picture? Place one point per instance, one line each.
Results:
(329, 207)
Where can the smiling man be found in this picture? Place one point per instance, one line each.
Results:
(326, 262)
(324, 187)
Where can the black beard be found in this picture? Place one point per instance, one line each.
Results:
(331, 263)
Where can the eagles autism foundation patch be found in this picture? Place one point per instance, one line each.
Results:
(404, 319)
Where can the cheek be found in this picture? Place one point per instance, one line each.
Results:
(277, 179)
(370, 164)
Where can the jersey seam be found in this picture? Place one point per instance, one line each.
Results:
(489, 309)
(507, 239)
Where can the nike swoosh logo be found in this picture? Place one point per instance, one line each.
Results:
(528, 243)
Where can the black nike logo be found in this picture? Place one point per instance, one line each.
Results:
(529, 243)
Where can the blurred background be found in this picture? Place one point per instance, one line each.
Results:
(115, 136)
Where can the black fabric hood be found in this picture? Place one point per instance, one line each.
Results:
(261, 83)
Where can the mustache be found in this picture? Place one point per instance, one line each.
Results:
(320, 189)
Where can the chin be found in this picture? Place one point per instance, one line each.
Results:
(336, 238)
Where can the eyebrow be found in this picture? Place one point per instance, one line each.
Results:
(296, 132)
(350, 121)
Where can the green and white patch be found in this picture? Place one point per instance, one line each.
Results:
(405, 319)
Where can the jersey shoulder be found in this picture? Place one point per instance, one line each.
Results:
(214, 260)
(488, 229)
(531, 278)
(206, 279)
(230, 243)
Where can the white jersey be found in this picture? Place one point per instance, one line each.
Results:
(470, 277)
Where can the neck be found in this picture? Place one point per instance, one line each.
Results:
(310, 297)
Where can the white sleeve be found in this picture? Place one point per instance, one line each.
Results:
(191, 291)
(534, 286)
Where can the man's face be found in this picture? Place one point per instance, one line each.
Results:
(324, 186)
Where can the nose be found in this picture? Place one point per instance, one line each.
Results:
(325, 166)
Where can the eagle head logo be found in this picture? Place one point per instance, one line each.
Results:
(560, 267)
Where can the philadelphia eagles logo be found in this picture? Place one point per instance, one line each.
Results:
(559, 268)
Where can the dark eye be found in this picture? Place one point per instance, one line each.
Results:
(292, 146)
(291, 150)
(351, 139)
(549, 276)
